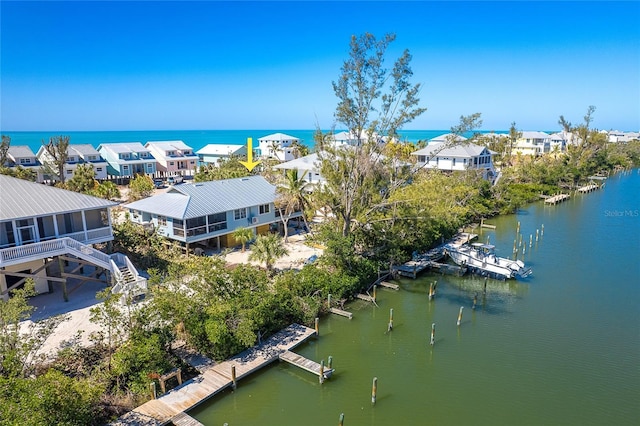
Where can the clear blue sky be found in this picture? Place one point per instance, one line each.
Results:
(269, 65)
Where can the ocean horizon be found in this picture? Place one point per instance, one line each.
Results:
(196, 139)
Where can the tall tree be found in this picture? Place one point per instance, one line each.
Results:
(514, 135)
(292, 195)
(57, 148)
(368, 113)
(4, 149)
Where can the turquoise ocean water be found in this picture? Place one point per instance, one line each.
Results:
(196, 139)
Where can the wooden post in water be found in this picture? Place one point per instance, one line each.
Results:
(341, 422)
(433, 334)
(321, 378)
(234, 383)
(317, 326)
(430, 291)
(524, 249)
(488, 239)
(374, 390)
(460, 316)
(390, 327)
(518, 228)
(542, 230)
(485, 285)
(537, 235)
(530, 240)
(329, 300)
(330, 362)
(475, 301)
(374, 293)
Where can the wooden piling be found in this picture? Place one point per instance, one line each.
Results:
(475, 301)
(234, 382)
(484, 290)
(330, 362)
(154, 392)
(537, 235)
(430, 291)
(542, 230)
(317, 324)
(374, 390)
(321, 376)
(374, 293)
(390, 327)
(341, 422)
(433, 334)
(460, 316)
(530, 240)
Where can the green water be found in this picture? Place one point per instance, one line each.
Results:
(559, 348)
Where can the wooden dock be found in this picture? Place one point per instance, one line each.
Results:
(588, 188)
(341, 312)
(163, 410)
(389, 285)
(305, 364)
(557, 199)
(183, 419)
(365, 297)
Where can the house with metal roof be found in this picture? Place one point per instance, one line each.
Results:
(308, 168)
(77, 154)
(213, 152)
(532, 143)
(173, 158)
(22, 156)
(278, 145)
(457, 158)
(209, 212)
(45, 229)
(127, 159)
(448, 137)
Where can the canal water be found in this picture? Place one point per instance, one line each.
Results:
(561, 347)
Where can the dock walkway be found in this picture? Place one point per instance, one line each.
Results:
(305, 363)
(588, 188)
(557, 199)
(215, 379)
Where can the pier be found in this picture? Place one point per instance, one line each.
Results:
(557, 199)
(305, 364)
(588, 188)
(341, 312)
(215, 379)
(389, 285)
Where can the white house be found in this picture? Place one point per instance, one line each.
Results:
(172, 157)
(22, 156)
(47, 234)
(457, 158)
(308, 168)
(213, 153)
(618, 136)
(127, 159)
(76, 155)
(447, 137)
(532, 143)
(278, 145)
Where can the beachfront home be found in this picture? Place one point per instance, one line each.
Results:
(209, 212)
(48, 233)
(127, 159)
(308, 168)
(173, 158)
(447, 137)
(279, 146)
(213, 153)
(532, 143)
(616, 136)
(457, 158)
(76, 155)
(22, 156)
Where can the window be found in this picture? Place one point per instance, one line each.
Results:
(162, 221)
(99, 169)
(171, 163)
(240, 214)
(265, 208)
(150, 166)
(217, 222)
(453, 163)
(125, 167)
(69, 171)
(25, 161)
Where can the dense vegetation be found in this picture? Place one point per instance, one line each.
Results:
(380, 209)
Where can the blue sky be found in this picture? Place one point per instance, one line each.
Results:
(269, 65)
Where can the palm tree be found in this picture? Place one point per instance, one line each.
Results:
(243, 236)
(268, 249)
(293, 196)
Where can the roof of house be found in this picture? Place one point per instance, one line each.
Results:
(169, 145)
(198, 199)
(220, 149)
(84, 149)
(278, 137)
(534, 135)
(447, 137)
(22, 198)
(20, 151)
(123, 147)
(308, 162)
(464, 151)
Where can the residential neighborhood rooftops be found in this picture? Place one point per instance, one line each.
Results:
(219, 149)
(204, 198)
(169, 145)
(465, 150)
(278, 137)
(20, 151)
(447, 137)
(308, 162)
(534, 135)
(124, 147)
(22, 199)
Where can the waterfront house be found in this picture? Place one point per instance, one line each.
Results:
(532, 143)
(22, 156)
(213, 153)
(279, 146)
(209, 212)
(48, 233)
(456, 158)
(616, 136)
(127, 159)
(76, 155)
(447, 138)
(173, 158)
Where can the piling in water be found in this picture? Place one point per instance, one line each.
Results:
(530, 240)
(317, 326)
(374, 390)
(433, 334)
(321, 377)
(234, 383)
(460, 316)
(374, 293)
(485, 285)
(390, 327)
(475, 301)
(537, 235)
(341, 422)
(542, 230)
(431, 293)
(330, 362)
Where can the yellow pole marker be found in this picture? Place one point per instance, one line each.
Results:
(250, 164)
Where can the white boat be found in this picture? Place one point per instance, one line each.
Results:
(481, 259)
